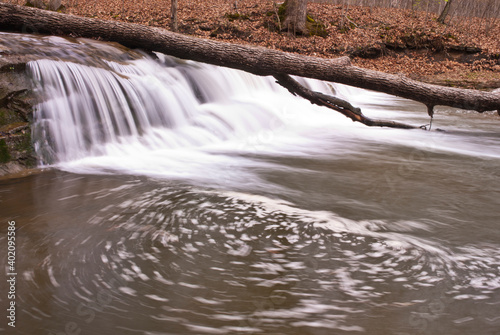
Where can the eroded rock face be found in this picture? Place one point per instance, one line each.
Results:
(16, 102)
(16, 105)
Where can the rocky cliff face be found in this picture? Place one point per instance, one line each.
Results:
(16, 105)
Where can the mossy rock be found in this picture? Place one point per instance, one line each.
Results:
(24, 146)
(236, 16)
(229, 30)
(13, 127)
(4, 152)
(315, 28)
(8, 117)
(16, 106)
(18, 148)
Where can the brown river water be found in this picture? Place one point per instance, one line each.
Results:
(181, 198)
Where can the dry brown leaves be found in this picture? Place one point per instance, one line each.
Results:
(408, 41)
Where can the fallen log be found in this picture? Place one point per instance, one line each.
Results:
(257, 60)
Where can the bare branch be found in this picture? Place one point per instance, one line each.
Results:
(334, 103)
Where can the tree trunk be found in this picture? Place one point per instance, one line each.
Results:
(257, 60)
(445, 12)
(296, 16)
(174, 23)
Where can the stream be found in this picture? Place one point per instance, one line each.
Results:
(182, 198)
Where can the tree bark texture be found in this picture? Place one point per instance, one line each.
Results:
(257, 60)
(173, 17)
(444, 13)
(295, 17)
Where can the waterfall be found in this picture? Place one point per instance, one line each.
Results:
(153, 116)
(154, 104)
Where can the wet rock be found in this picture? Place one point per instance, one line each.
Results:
(16, 103)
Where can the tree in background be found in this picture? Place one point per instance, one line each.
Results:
(445, 12)
(174, 25)
(295, 16)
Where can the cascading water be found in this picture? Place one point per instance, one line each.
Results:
(203, 200)
(162, 117)
(144, 103)
(166, 116)
(149, 108)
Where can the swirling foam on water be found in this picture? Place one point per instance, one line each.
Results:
(221, 254)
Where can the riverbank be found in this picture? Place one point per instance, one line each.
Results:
(462, 53)
(16, 104)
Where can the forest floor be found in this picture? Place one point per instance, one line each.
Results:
(464, 52)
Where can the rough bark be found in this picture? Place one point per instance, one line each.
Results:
(444, 13)
(295, 16)
(257, 60)
(173, 17)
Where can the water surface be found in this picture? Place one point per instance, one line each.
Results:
(231, 207)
